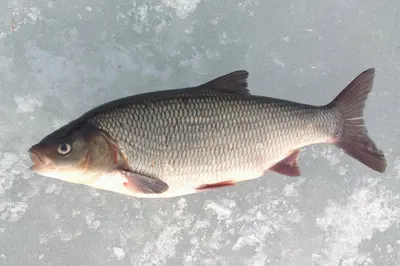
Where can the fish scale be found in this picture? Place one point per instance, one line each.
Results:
(182, 141)
(196, 142)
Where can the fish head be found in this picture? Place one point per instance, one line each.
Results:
(73, 153)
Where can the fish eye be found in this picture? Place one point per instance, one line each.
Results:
(64, 148)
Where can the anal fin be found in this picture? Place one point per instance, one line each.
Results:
(288, 166)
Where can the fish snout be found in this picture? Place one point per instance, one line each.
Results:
(39, 159)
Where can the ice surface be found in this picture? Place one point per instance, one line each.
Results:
(60, 58)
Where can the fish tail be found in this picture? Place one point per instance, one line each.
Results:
(353, 136)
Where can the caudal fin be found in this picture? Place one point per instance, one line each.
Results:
(353, 138)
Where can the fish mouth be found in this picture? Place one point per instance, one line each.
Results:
(40, 161)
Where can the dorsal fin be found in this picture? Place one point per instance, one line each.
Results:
(234, 82)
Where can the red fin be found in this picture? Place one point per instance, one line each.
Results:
(143, 184)
(288, 166)
(217, 185)
(353, 137)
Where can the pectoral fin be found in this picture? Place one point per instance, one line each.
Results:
(140, 183)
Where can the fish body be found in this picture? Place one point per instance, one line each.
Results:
(176, 142)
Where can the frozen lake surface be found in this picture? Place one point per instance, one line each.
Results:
(60, 58)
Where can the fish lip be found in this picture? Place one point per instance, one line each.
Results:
(39, 160)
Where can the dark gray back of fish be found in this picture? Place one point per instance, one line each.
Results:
(214, 128)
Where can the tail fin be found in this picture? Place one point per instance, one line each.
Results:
(354, 139)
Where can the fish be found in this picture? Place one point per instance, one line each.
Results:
(176, 142)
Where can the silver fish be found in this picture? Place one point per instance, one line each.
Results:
(177, 142)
